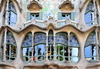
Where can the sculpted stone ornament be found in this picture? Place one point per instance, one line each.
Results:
(68, 21)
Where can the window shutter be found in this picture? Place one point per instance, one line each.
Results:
(28, 16)
(72, 15)
(41, 15)
(59, 15)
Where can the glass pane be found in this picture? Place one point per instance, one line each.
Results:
(74, 52)
(90, 53)
(50, 52)
(34, 15)
(13, 52)
(12, 18)
(89, 14)
(39, 52)
(50, 37)
(26, 53)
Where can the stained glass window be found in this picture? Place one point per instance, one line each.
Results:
(61, 46)
(40, 47)
(27, 48)
(62, 38)
(11, 47)
(74, 48)
(90, 48)
(39, 38)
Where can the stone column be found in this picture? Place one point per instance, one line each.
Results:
(47, 47)
(68, 46)
(6, 17)
(54, 45)
(97, 44)
(4, 47)
(95, 13)
(32, 46)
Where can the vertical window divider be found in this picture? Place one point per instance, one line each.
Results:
(32, 46)
(68, 46)
(47, 47)
(95, 18)
(4, 50)
(54, 45)
(6, 19)
(97, 44)
(9, 51)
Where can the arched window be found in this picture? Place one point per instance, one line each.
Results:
(89, 14)
(39, 47)
(74, 48)
(50, 45)
(62, 46)
(27, 48)
(12, 15)
(10, 47)
(90, 48)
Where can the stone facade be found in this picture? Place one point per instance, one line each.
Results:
(49, 34)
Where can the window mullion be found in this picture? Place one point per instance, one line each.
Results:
(9, 51)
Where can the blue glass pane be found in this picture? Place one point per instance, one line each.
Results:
(27, 40)
(61, 38)
(73, 40)
(10, 39)
(39, 38)
(12, 17)
(88, 51)
(89, 14)
(39, 50)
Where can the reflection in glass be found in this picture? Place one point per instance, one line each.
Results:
(39, 52)
(27, 48)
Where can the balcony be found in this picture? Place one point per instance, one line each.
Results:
(51, 20)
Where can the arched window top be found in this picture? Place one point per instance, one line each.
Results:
(50, 32)
(89, 14)
(28, 40)
(10, 39)
(91, 40)
(12, 14)
(90, 7)
(73, 40)
(11, 6)
(62, 38)
(39, 38)
(50, 37)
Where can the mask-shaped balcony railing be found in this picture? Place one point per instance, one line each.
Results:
(56, 23)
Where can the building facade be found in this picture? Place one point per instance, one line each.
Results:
(49, 34)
